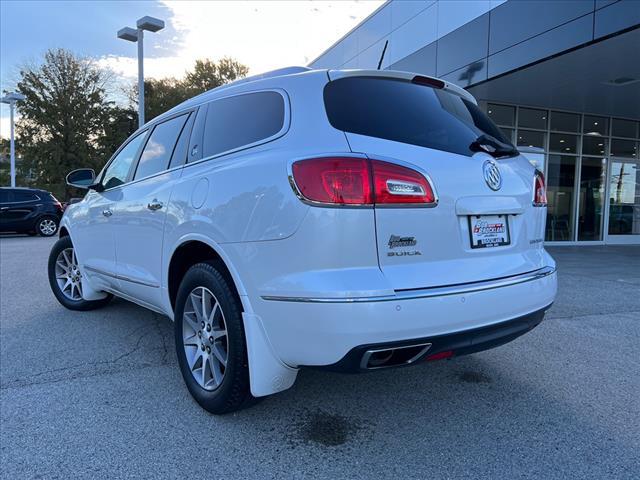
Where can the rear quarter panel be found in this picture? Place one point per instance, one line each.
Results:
(245, 197)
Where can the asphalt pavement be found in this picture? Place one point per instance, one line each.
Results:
(99, 394)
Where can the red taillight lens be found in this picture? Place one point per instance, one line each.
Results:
(360, 181)
(395, 184)
(338, 180)
(539, 190)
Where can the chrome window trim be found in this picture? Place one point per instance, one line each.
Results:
(430, 292)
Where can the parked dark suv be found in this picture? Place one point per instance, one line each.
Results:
(29, 210)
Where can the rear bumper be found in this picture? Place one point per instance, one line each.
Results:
(323, 332)
(459, 343)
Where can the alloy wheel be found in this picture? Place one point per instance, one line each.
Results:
(204, 336)
(68, 274)
(48, 227)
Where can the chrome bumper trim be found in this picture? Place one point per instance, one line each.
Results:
(457, 289)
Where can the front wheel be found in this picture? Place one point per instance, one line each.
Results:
(47, 226)
(210, 341)
(65, 278)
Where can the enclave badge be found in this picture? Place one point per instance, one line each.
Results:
(396, 241)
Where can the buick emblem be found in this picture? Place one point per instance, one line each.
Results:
(492, 175)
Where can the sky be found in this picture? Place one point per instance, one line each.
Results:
(264, 35)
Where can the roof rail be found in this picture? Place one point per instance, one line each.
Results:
(273, 73)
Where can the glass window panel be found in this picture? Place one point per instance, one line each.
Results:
(565, 122)
(179, 156)
(528, 138)
(591, 198)
(563, 143)
(532, 118)
(594, 146)
(22, 196)
(117, 172)
(624, 128)
(595, 125)
(561, 175)
(405, 112)
(508, 133)
(624, 148)
(624, 198)
(242, 120)
(159, 148)
(502, 114)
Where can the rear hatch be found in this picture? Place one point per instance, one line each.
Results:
(477, 231)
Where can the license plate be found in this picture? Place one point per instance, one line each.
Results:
(489, 231)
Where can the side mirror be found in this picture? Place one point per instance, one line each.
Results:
(81, 178)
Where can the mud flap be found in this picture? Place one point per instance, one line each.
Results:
(267, 374)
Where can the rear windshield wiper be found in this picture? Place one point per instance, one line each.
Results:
(493, 146)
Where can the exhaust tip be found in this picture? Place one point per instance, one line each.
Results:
(393, 357)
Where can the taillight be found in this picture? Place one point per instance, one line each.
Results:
(360, 181)
(337, 180)
(395, 184)
(539, 190)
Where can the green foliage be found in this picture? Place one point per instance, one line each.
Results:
(164, 94)
(67, 122)
(63, 116)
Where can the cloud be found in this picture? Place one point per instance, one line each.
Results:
(262, 35)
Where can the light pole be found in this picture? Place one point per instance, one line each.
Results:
(150, 24)
(11, 98)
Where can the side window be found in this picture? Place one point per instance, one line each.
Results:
(4, 196)
(234, 122)
(118, 170)
(159, 148)
(19, 196)
(179, 156)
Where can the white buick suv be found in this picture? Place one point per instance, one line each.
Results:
(349, 220)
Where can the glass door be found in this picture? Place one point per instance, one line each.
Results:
(624, 201)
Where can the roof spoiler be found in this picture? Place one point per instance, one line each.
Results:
(451, 87)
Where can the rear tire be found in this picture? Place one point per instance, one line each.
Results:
(65, 278)
(210, 341)
(47, 226)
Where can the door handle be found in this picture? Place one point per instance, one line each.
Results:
(154, 205)
(107, 212)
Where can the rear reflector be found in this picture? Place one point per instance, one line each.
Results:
(539, 190)
(360, 181)
(440, 356)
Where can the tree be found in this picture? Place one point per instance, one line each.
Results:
(207, 75)
(63, 116)
(164, 94)
(120, 124)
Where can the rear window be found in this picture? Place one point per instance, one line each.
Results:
(242, 120)
(398, 110)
